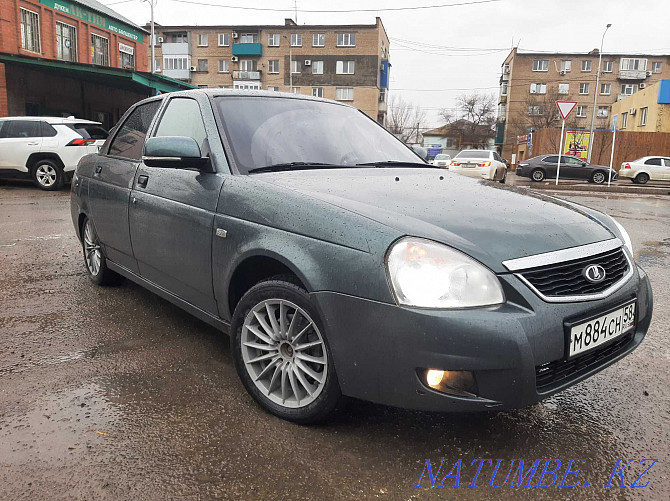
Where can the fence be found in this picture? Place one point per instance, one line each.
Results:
(629, 145)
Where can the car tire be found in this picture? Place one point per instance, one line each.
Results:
(642, 178)
(47, 175)
(94, 260)
(537, 175)
(633, 180)
(598, 177)
(504, 178)
(295, 381)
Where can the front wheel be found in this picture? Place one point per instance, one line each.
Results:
(598, 177)
(47, 175)
(504, 178)
(282, 355)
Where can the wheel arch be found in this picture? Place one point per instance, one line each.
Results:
(36, 157)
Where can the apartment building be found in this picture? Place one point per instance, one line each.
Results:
(73, 57)
(348, 63)
(531, 82)
(647, 110)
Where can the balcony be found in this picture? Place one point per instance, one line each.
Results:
(246, 75)
(176, 49)
(247, 49)
(632, 74)
(182, 74)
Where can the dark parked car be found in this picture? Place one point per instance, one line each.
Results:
(331, 255)
(544, 166)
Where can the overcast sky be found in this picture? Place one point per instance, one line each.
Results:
(432, 77)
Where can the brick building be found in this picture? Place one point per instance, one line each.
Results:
(344, 62)
(72, 57)
(531, 82)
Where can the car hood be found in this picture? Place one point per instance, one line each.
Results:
(488, 221)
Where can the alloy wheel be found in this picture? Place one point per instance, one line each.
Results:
(284, 353)
(538, 175)
(92, 253)
(46, 175)
(598, 178)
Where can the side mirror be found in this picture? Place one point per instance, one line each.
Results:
(421, 151)
(175, 152)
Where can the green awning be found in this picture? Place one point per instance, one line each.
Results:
(137, 81)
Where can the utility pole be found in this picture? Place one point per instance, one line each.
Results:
(595, 95)
(290, 63)
(152, 3)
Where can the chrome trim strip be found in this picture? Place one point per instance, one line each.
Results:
(560, 256)
(586, 297)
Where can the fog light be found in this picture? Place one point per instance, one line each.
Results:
(461, 383)
(434, 378)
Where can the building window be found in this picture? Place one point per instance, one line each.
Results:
(503, 89)
(505, 69)
(202, 40)
(643, 116)
(534, 110)
(30, 30)
(624, 120)
(273, 88)
(224, 39)
(608, 66)
(628, 89)
(317, 67)
(273, 40)
(656, 66)
(181, 37)
(583, 88)
(175, 63)
(581, 110)
(99, 50)
(203, 65)
(346, 39)
(605, 89)
(633, 63)
(157, 64)
(247, 85)
(566, 66)
(127, 56)
(502, 110)
(586, 65)
(538, 88)
(344, 67)
(296, 39)
(563, 88)
(273, 66)
(317, 91)
(248, 65)
(541, 65)
(344, 93)
(318, 40)
(249, 38)
(296, 90)
(295, 66)
(224, 66)
(66, 42)
(603, 111)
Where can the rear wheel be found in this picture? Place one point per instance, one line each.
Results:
(598, 177)
(537, 175)
(47, 175)
(282, 355)
(95, 261)
(504, 177)
(642, 178)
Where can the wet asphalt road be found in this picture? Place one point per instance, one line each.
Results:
(113, 393)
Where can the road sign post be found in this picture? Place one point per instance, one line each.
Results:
(564, 108)
(615, 119)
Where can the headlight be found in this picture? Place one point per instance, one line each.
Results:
(426, 274)
(624, 235)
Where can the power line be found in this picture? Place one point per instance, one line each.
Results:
(329, 11)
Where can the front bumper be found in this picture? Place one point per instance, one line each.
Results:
(378, 347)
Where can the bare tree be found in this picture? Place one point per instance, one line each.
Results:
(405, 120)
(478, 114)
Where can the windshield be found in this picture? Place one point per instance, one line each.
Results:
(442, 157)
(266, 131)
(473, 154)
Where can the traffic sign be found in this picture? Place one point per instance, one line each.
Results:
(565, 108)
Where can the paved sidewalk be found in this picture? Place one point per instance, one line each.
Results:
(619, 186)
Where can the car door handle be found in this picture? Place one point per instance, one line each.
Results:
(98, 169)
(33, 144)
(142, 181)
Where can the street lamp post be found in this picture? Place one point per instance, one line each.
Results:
(152, 3)
(290, 63)
(595, 94)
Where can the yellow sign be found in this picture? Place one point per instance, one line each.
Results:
(577, 143)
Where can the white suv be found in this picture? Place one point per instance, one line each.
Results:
(46, 148)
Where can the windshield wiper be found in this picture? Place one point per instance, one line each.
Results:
(395, 163)
(291, 165)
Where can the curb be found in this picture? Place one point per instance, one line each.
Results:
(600, 189)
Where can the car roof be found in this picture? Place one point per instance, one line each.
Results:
(55, 120)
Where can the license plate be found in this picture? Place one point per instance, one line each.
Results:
(597, 331)
(469, 166)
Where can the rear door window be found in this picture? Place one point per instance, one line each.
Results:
(653, 161)
(129, 141)
(48, 130)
